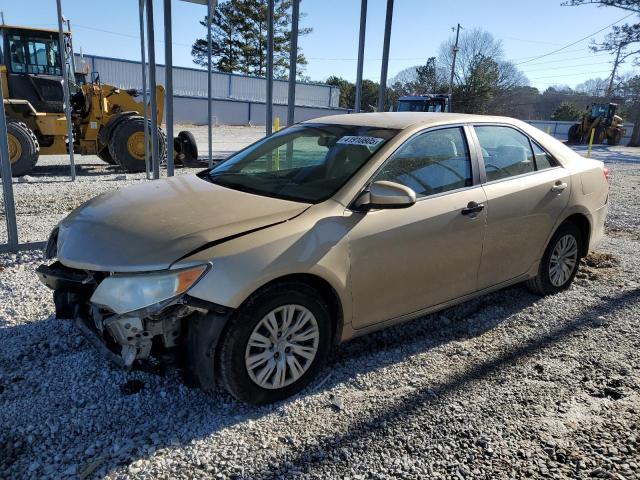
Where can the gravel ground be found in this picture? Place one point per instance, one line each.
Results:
(508, 385)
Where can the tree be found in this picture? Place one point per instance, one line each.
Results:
(483, 79)
(348, 93)
(596, 87)
(627, 38)
(567, 112)
(239, 38)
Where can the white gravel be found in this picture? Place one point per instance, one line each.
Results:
(508, 385)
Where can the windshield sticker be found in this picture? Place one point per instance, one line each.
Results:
(360, 140)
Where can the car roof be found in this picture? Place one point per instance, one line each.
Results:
(402, 120)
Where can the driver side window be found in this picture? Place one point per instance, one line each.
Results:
(506, 152)
(431, 163)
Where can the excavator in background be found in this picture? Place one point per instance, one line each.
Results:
(602, 119)
(107, 121)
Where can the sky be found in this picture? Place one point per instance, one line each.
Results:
(527, 29)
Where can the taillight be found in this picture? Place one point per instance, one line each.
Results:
(605, 170)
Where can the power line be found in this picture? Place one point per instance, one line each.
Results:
(560, 60)
(576, 42)
(569, 66)
(570, 75)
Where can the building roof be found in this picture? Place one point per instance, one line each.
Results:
(402, 120)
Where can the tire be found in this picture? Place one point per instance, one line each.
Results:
(543, 283)
(187, 148)
(600, 135)
(106, 157)
(24, 149)
(615, 137)
(126, 145)
(235, 374)
(573, 136)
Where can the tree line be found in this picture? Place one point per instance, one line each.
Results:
(485, 82)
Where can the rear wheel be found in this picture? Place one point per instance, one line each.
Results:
(559, 263)
(186, 148)
(126, 145)
(615, 137)
(106, 157)
(600, 135)
(573, 136)
(24, 149)
(275, 343)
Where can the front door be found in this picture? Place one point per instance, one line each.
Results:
(403, 261)
(526, 191)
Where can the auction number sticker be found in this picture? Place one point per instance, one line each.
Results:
(360, 140)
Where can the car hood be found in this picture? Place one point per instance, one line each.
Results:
(151, 225)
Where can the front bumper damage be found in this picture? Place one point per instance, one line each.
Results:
(127, 340)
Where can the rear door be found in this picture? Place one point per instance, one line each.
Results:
(526, 190)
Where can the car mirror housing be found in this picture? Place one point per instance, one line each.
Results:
(385, 195)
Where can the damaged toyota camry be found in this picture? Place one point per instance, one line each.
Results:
(246, 274)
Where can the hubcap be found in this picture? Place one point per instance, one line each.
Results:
(135, 145)
(563, 260)
(15, 149)
(282, 346)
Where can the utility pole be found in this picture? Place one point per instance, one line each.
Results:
(385, 56)
(363, 30)
(613, 71)
(453, 69)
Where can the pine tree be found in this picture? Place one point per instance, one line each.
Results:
(239, 38)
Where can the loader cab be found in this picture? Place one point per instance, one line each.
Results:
(31, 58)
(606, 111)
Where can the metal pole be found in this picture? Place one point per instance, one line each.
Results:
(293, 61)
(453, 69)
(155, 157)
(269, 99)
(73, 56)
(65, 90)
(145, 101)
(168, 73)
(385, 56)
(363, 30)
(209, 86)
(7, 185)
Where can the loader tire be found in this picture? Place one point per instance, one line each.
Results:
(187, 149)
(24, 148)
(126, 145)
(599, 135)
(106, 157)
(574, 136)
(615, 137)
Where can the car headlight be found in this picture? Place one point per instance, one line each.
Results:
(127, 293)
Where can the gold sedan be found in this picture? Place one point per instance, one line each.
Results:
(326, 230)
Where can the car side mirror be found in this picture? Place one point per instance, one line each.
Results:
(384, 195)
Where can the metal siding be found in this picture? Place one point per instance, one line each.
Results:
(193, 83)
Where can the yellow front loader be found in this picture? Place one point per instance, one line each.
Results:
(107, 121)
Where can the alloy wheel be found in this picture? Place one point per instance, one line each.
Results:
(282, 346)
(563, 261)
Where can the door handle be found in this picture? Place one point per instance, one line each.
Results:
(558, 187)
(472, 208)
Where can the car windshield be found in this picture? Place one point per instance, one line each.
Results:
(305, 163)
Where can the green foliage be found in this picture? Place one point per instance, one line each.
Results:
(567, 112)
(348, 93)
(239, 38)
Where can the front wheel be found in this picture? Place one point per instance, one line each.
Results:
(126, 145)
(559, 263)
(275, 343)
